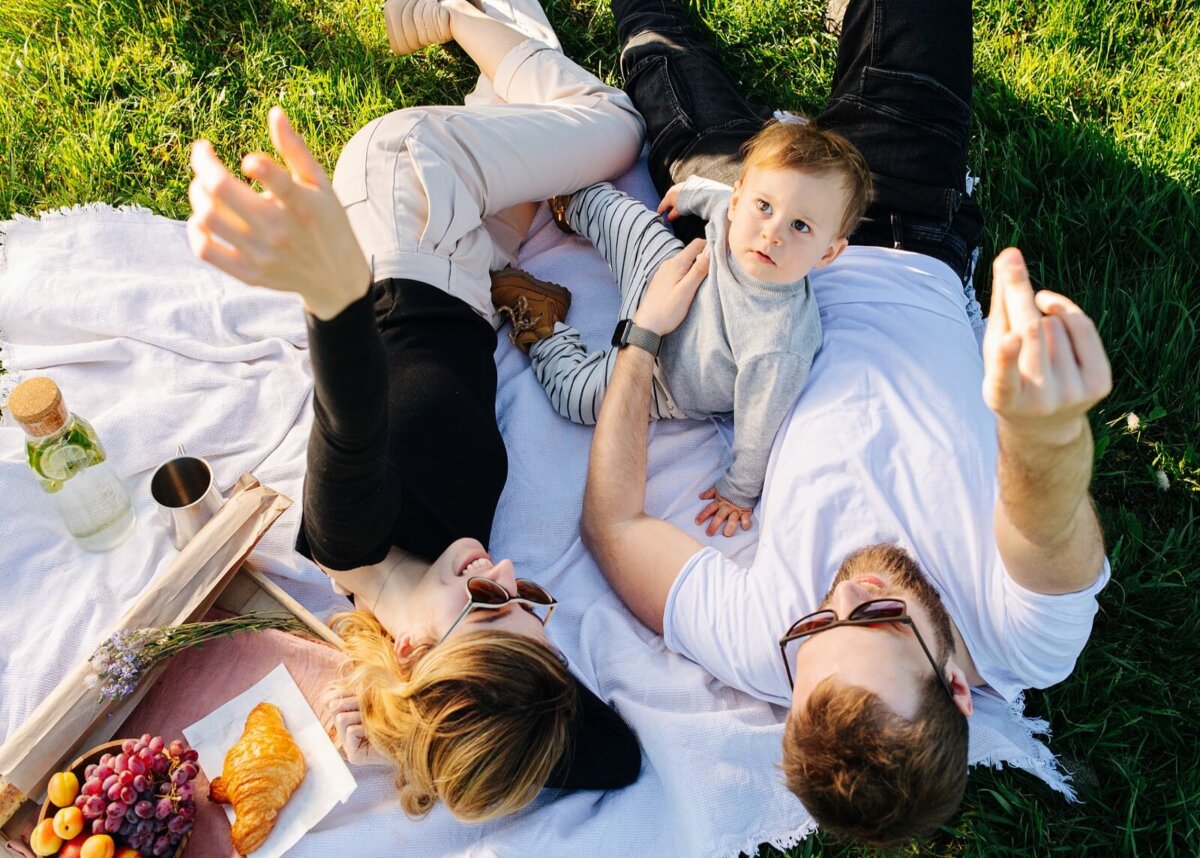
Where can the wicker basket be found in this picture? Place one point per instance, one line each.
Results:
(93, 756)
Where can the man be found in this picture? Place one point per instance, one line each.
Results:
(941, 541)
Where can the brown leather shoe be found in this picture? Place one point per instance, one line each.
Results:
(558, 208)
(532, 305)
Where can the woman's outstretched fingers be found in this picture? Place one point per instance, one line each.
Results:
(222, 186)
(296, 154)
(214, 218)
(293, 237)
(221, 256)
(277, 181)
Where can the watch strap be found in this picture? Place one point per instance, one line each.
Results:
(644, 339)
(630, 334)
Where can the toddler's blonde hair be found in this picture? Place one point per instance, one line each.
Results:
(807, 147)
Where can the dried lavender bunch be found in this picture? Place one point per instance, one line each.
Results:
(119, 663)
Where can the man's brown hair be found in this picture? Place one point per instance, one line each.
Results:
(807, 147)
(868, 774)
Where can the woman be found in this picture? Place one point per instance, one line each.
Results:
(455, 684)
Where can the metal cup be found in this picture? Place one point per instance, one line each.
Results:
(186, 496)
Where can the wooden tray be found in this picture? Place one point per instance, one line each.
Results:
(241, 590)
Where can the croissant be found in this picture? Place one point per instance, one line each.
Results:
(261, 772)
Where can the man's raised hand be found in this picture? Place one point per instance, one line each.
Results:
(1044, 363)
(293, 236)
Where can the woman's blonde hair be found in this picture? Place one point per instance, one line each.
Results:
(478, 721)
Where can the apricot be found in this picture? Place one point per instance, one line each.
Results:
(127, 852)
(98, 846)
(43, 840)
(63, 788)
(68, 822)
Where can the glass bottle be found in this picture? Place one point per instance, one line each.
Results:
(66, 457)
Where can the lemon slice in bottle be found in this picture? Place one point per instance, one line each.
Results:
(64, 462)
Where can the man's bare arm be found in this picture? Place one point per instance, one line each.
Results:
(639, 555)
(1045, 368)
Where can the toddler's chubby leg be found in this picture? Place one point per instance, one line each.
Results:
(632, 239)
(576, 379)
(634, 242)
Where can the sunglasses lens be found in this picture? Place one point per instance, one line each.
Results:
(526, 589)
(485, 591)
(813, 622)
(880, 609)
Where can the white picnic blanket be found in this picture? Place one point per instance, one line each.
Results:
(159, 350)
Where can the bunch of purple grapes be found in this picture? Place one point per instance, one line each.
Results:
(142, 796)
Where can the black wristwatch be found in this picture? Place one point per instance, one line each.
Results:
(629, 334)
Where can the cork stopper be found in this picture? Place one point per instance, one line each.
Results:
(37, 404)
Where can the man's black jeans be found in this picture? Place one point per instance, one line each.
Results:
(901, 93)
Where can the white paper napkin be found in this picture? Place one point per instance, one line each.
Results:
(328, 780)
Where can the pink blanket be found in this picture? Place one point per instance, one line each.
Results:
(200, 680)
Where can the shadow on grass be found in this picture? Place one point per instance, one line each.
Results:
(1119, 238)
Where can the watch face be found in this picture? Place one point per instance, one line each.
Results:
(621, 335)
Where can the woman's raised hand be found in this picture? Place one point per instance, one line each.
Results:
(292, 236)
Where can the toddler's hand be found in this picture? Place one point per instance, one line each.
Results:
(669, 201)
(722, 512)
(343, 722)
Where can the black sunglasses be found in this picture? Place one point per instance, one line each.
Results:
(485, 594)
(869, 613)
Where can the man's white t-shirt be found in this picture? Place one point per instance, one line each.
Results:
(889, 442)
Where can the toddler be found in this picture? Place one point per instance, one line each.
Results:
(749, 339)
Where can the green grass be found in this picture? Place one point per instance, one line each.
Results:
(1087, 129)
